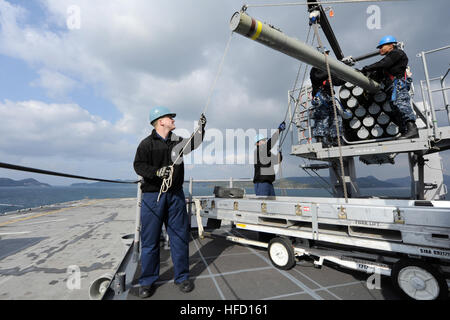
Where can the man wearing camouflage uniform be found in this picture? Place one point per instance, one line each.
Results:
(324, 130)
(392, 69)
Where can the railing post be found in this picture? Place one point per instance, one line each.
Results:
(430, 97)
(231, 182)
(190, 196)
(427, 110)
(137, 231)
(444, 95)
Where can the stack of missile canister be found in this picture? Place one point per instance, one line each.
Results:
(368, 116)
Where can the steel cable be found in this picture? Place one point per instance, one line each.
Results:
(167, 182)
(59, 174)
(336, 121)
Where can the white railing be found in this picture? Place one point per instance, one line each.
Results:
(426, 85)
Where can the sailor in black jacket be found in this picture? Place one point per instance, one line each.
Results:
(264, 160)
(154, 159)
(392, 70)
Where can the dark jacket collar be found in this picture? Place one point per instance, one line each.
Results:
(155, 135)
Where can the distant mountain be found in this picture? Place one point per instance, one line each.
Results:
(372, 182)
(101, 184)
(401, 182)
(315, 182)
(5, 182)
(406, 181)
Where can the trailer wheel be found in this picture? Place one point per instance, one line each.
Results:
(418, 280)
(281, 253)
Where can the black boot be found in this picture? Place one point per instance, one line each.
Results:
(185, 286)
(411, 130)
(146, 291)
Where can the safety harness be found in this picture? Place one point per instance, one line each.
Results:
(397, 84)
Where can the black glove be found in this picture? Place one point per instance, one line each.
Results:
(282, 126)
(364, 71)
(163, 172)
(202, 121)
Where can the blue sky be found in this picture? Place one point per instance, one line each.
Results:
(77, 100)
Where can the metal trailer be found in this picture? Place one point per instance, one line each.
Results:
(405, 239)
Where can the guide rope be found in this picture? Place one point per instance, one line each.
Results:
(300, 92)
(59, 174)
(336, 121)
(283, 136)
(167, 182)
(287, 4)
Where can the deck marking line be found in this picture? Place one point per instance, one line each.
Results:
(213, 275)
(46, 221)
(209, 271)
(286, 274)
(342, 285)
(284, 295)
(13, 233)
(316, 283)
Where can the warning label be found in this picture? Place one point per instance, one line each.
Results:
(435, 252)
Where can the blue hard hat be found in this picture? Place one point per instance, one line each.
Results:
(259, 137)
(386, 40)
(159, 112)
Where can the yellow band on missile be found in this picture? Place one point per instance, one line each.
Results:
(258, 31)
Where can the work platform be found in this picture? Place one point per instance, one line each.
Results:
(316, 151)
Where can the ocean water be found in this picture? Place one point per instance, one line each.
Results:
(20, 198)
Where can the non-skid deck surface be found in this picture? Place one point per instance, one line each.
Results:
(222, 270)
(38, 248)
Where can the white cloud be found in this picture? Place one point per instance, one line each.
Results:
(38, 129)
(54, 83)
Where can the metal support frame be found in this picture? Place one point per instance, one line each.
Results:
(137, 231)
(399, 226)
(430, 91)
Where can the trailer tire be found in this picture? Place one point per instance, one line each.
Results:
(281, 253)
(418, 280)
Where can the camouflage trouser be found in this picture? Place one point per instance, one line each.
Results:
(401, 102)
(324, 122)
